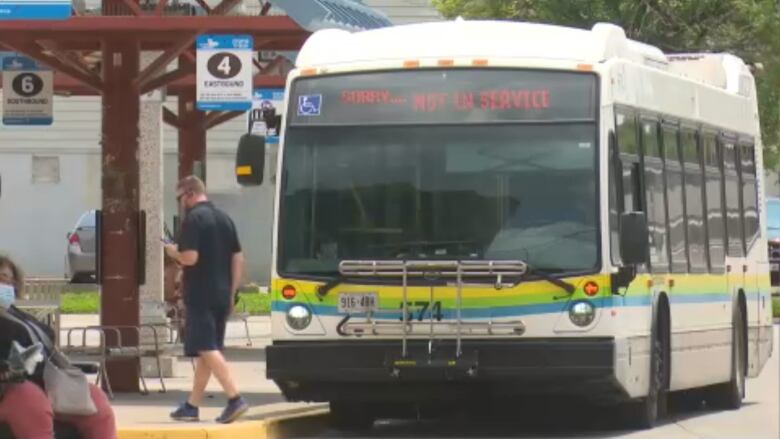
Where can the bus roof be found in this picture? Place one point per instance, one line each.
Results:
(515, 40)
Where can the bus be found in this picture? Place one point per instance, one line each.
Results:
(478, 210)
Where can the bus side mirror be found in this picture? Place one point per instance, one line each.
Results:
(634, 238)
(250, 160)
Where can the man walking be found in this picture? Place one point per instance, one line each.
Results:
(212, 259)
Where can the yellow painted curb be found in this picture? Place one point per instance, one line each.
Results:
(269, 428)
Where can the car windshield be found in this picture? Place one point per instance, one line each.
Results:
(86, 220)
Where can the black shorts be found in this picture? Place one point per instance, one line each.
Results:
(205, 329)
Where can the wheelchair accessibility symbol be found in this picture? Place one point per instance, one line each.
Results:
(309, 105)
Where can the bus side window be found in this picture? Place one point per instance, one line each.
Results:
(716, 226)
(674, 194)
(655, 195)
(615, 198)
(625, 195)
(694, 206)
(749, 194)
(628, 145)
(734, 229)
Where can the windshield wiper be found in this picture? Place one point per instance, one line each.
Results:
(333, 282)
(541, 273)
(545, 275)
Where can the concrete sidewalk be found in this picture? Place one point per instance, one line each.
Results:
(146, 416)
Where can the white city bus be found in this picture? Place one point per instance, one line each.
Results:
(497, 209)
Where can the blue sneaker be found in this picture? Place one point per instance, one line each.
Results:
(186, 412)
(235, 408)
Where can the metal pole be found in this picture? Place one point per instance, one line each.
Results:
(459, 306)
(405, 313)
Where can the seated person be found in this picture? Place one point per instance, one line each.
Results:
(24, 406)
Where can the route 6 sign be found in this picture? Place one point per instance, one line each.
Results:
(224, 72)
(27, 92)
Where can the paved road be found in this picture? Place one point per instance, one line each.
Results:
(758, 419)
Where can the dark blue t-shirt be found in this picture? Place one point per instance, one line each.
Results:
(211, 233)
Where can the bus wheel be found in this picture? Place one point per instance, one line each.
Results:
(729, 395)
(646, 412)
(351, 416)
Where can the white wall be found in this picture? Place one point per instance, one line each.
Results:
(35, 217)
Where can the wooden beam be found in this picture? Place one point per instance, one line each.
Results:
(170, 118)
(34, 51)
(217, 118)
(211, 116)
(205, 6)
(67, 85)
(75, 60)
(167, 78)
(225, 7)
(274, 63)
(163, 60)
(190, 55)
(149, 26)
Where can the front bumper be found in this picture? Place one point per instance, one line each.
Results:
(323, 371)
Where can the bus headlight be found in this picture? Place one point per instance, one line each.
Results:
(298, 317)
(582, 313)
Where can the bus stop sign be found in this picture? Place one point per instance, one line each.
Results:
(35, 9)
(27, 92)
(224, 72)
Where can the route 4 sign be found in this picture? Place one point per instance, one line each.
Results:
(27, 92)
(224, 72)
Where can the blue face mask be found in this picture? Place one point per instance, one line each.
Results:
(7, 296)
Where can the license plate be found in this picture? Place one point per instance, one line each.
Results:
(358, 302)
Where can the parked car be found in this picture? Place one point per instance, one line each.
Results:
(81, 249)
(773, 235)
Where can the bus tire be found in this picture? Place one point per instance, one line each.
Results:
(351, 416)
(647, 411)
(729, 395)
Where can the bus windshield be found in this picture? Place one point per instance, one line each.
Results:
(482, 191)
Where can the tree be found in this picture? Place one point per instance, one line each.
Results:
(746, 28)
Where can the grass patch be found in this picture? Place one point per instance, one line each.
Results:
(80, 303)
(89, 303)
(256, 303)
(776, 307)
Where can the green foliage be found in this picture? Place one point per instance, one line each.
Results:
(256, 303)
(776, 307)
(749, 29)
(89, 303)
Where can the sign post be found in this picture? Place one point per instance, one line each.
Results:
(35, 9)
(27, 92)
(224, 72)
